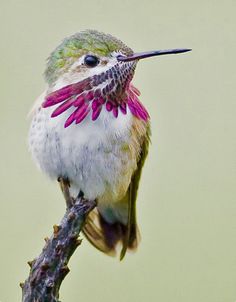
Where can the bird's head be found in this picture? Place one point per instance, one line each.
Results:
(87, 54)
(91, 69)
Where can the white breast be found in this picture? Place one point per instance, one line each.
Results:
(92, 154)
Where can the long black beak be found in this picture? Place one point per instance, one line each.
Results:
(142, 55)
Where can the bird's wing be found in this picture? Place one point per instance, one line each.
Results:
(132, 234)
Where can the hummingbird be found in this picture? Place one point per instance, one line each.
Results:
(90, 131)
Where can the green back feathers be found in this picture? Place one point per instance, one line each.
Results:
(73, 47)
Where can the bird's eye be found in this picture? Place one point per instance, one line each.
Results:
(91, 61)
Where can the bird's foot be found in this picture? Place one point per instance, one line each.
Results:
(65, 185)
(81, 194)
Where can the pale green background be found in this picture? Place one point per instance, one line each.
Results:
(186, 203)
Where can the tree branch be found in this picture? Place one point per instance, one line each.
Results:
(50, 268)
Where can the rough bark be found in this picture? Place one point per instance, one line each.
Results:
(50, 268)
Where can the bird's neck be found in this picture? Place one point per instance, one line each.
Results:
(85, 98)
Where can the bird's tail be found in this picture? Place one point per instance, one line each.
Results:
(107, 233)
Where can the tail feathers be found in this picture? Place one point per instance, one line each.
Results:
(131, 239)
(107, 237)
(94, 233)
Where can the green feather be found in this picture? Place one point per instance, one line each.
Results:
(73, 47)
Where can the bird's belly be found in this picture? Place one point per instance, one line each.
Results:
(95, 155)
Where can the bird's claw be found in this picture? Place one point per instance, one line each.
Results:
(65, 185)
